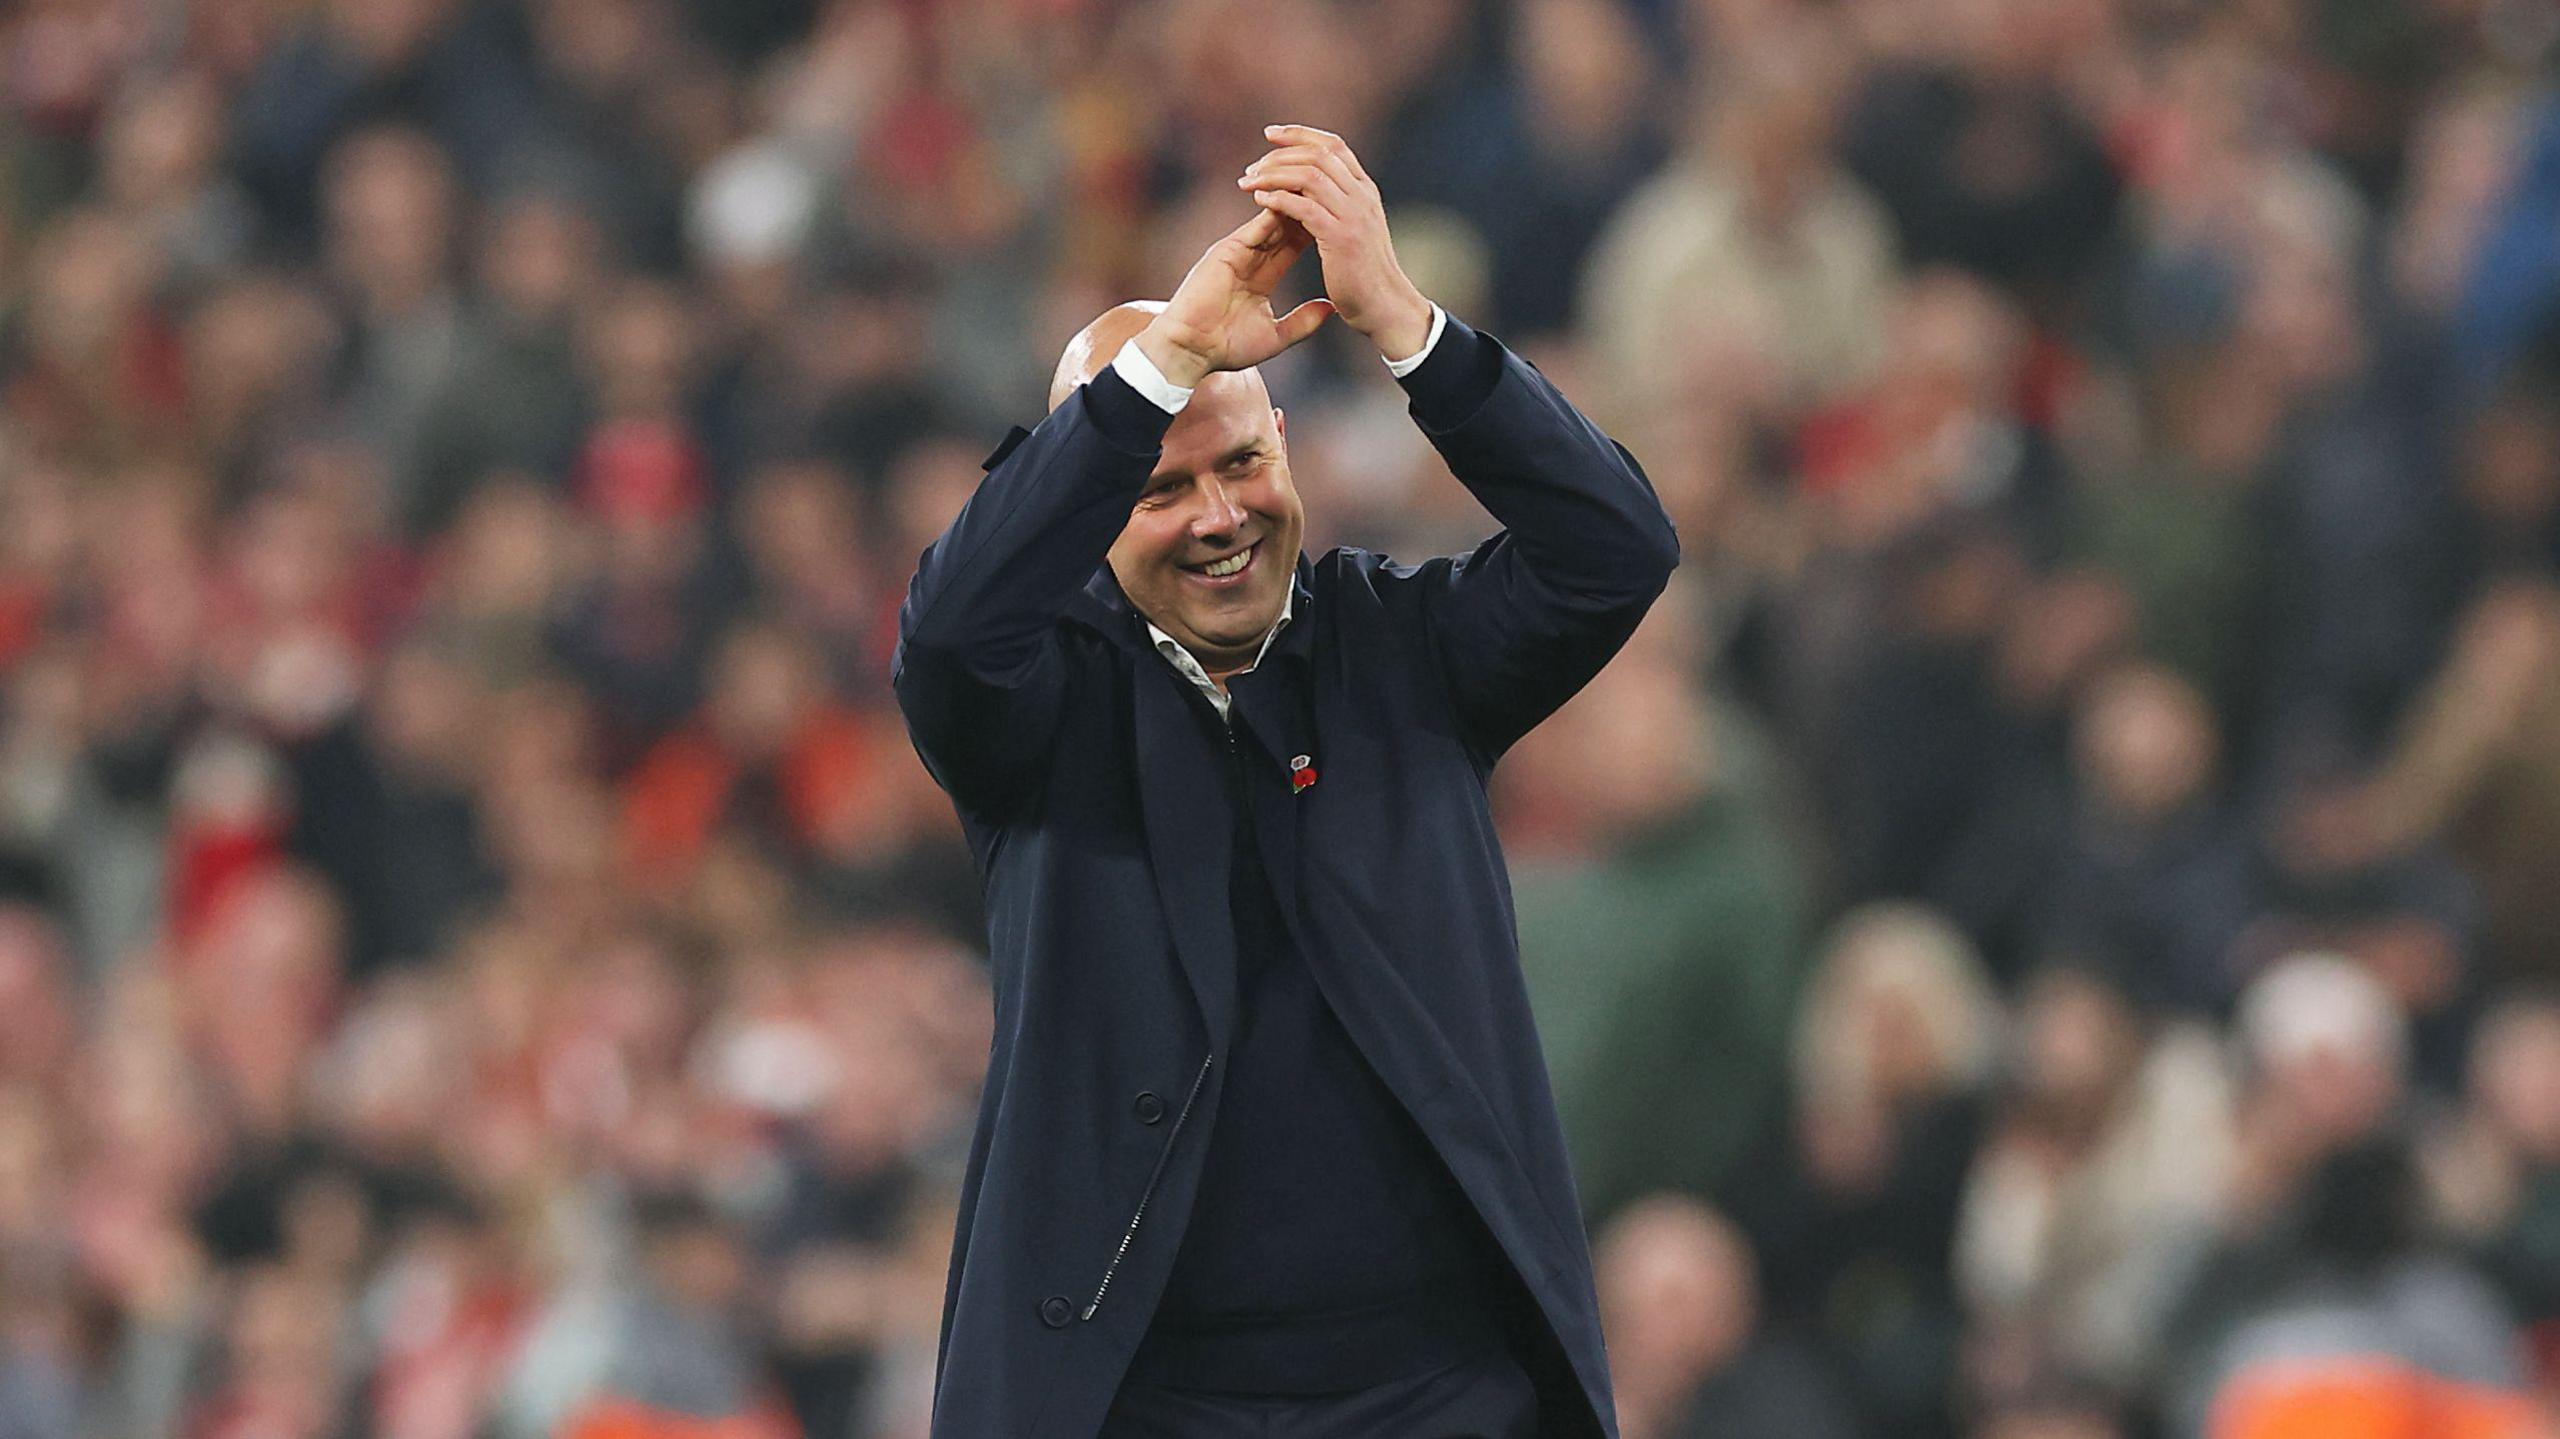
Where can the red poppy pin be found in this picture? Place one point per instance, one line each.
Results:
(1302, 774)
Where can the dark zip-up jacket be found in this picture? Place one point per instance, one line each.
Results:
(1095, 808)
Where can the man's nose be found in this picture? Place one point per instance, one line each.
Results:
(1219, 512)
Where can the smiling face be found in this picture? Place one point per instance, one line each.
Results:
(1212, 543)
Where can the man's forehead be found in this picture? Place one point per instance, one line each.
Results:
(1226, 411)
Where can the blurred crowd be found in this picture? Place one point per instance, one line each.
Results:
(2044, 935)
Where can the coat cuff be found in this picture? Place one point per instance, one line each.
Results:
(1128, 420)
(1455, 379)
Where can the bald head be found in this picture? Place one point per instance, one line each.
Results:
(1094, 346)
(1097, 344)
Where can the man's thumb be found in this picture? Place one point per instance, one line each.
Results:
(1304, 321)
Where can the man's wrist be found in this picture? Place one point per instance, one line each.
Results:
(1143, 375)
(1180, 367)
(1403, 340)
(1410, 361)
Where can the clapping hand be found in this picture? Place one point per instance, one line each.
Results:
(1312, 178)
(1220, 316)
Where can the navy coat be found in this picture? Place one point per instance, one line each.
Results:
(1094, 806)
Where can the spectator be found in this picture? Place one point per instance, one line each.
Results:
(1664, 936)
(2102, 1175)
(1753, 272)
(1855, 1212)
(1681, 1304)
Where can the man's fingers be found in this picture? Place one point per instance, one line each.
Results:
(1311, 182)
(1320, 139)
(1303, 321)
(1331, 162)
(1261, 250)
(1317, 220)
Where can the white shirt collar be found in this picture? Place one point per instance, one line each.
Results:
(1189, 667)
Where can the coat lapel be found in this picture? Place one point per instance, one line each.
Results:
(1190, 838)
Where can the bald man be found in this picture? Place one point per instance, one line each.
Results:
(1266, 1145)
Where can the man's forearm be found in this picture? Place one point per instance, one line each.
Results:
(1043, 519)
(1581, 513)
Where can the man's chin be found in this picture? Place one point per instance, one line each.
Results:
(1232, 629)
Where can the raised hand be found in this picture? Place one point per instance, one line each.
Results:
(1312, 177)
(1220, 316)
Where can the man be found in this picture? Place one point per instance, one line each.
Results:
(1266, 1145)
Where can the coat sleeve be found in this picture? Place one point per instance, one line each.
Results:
(1526, 619)
(979, 670)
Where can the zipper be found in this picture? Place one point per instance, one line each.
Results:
(1149, 1193)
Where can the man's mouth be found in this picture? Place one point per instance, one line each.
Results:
(1227, 571)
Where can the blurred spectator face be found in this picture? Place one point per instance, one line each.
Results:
(88, 281)
(426, 714)
(36, 1020)
(928, 486)
(162, 142)
(507, 552)
(2512, 480)
(1585, 66)
(281, 1343)
(387, 34)
(601, 46)
(2327, 1046)
(1221, 489)
(256, 341)
(696, 1261)
(536, 253)
(2464, 152)
(30, 1169)
(389, 1077)
(2144, 743)
(263, 983)
(1954, 345)
(1634, 748)
(1773, 120)
(2515, 1076)
(327, 1221)
(2060, 630)
(1678, 1299)
(637, 998)
(2301, 307)
(1900, 1011)
(544, 735)
(389, 201)
(763, 688)
(290, 554)
(2079, 1043)
(799, 523)
(639, 351)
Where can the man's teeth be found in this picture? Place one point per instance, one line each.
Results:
(1232, 563)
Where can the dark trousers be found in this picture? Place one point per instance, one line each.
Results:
(1489, 1398)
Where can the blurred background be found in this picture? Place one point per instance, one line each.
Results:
(2048, 933)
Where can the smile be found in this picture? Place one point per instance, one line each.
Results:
(1228, 571)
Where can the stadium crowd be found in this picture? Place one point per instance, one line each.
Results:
(2047, 933)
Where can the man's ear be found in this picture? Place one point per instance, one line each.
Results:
(1280, 418)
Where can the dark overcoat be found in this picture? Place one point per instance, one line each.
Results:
(1095, 808)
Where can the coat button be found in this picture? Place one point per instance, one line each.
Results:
(1056, 1310)
(1150, 1109)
